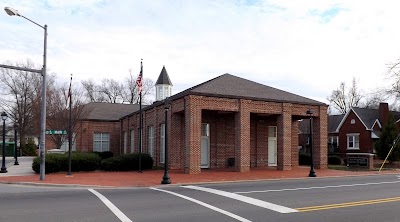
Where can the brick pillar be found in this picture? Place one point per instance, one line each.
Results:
(320, 138)
(242, 141)
(295, 143)
(284, 138)
(175, 141)
(192, 137)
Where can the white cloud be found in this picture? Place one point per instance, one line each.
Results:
(302, 46)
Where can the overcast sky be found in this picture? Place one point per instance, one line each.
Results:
(306, 47)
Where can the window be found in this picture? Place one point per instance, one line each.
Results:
(125, 142)
(272, 131)
(162, 143)
(333, 140)
(132, 141)
(101, 142)
(353, 141)
(352, 121)
(65, 144)
(160, 92)
(205, 129)
(151, 141)
(166, 94)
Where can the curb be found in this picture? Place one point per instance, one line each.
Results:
(185, 183)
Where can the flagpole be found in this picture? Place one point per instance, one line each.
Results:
(70, 129)
(140, 117)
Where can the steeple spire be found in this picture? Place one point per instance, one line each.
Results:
(163, 85)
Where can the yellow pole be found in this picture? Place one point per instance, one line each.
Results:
(390, 151)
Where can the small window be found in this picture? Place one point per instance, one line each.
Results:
(132, 141)
(151, 141)
(353, 141)
(205, 129)
(162, 143)
(272, 131)
(352, 121)
(101, 142)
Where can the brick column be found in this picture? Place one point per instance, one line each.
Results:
(320, 138)
(295, 143)
(242, 138)
(192, 137)
(285, 138)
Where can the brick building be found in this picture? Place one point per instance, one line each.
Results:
(226, 122)
(100, 126)
(360, 128)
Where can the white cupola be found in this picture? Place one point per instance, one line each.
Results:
(163, 85)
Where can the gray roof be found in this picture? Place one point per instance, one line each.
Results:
(333, 122)
(107, 111)
(367, 116)
(231, 86)
(163, 78)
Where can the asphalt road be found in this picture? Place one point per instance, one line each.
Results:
(366, 199)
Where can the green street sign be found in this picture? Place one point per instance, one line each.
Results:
(56, 132)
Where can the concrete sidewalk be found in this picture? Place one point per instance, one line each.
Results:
(24, 175)
(23, 169)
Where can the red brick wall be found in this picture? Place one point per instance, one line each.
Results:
(84, 138)
(366, 143)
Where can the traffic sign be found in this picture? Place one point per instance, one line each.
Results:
(56, 132)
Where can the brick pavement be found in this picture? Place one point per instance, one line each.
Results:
(154, 177)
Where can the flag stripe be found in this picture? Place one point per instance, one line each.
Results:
(139, 78)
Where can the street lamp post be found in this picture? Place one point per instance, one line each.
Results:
(3, 164)
(312, 172)
(13, 12)
(15, 144)
(166, 179)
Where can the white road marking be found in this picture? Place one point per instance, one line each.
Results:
(111, 206)
(324, 187)
(249, 200)
(239, 218)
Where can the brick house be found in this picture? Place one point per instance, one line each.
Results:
(361, 127)
(225, 122)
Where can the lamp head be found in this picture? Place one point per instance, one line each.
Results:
(309, 112)
(16, 125)
(167, 103)
(11, 11)
(4, 116)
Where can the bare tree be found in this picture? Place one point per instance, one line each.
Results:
(92, 91)
(19, 91)
(130, 92)
(393, 75)
(58, 112)
(111, 91)
(343, 98)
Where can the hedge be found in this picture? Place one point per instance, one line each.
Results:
(59, 162)
(105, 154)
(304, 159)
(127, 162)
(334, 160)
(92, 161)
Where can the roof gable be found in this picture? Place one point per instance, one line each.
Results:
(228, 85)
(366, 116)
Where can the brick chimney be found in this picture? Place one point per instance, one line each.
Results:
(383, 113)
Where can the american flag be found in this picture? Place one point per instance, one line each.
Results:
(69, 93)
(140, 77)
